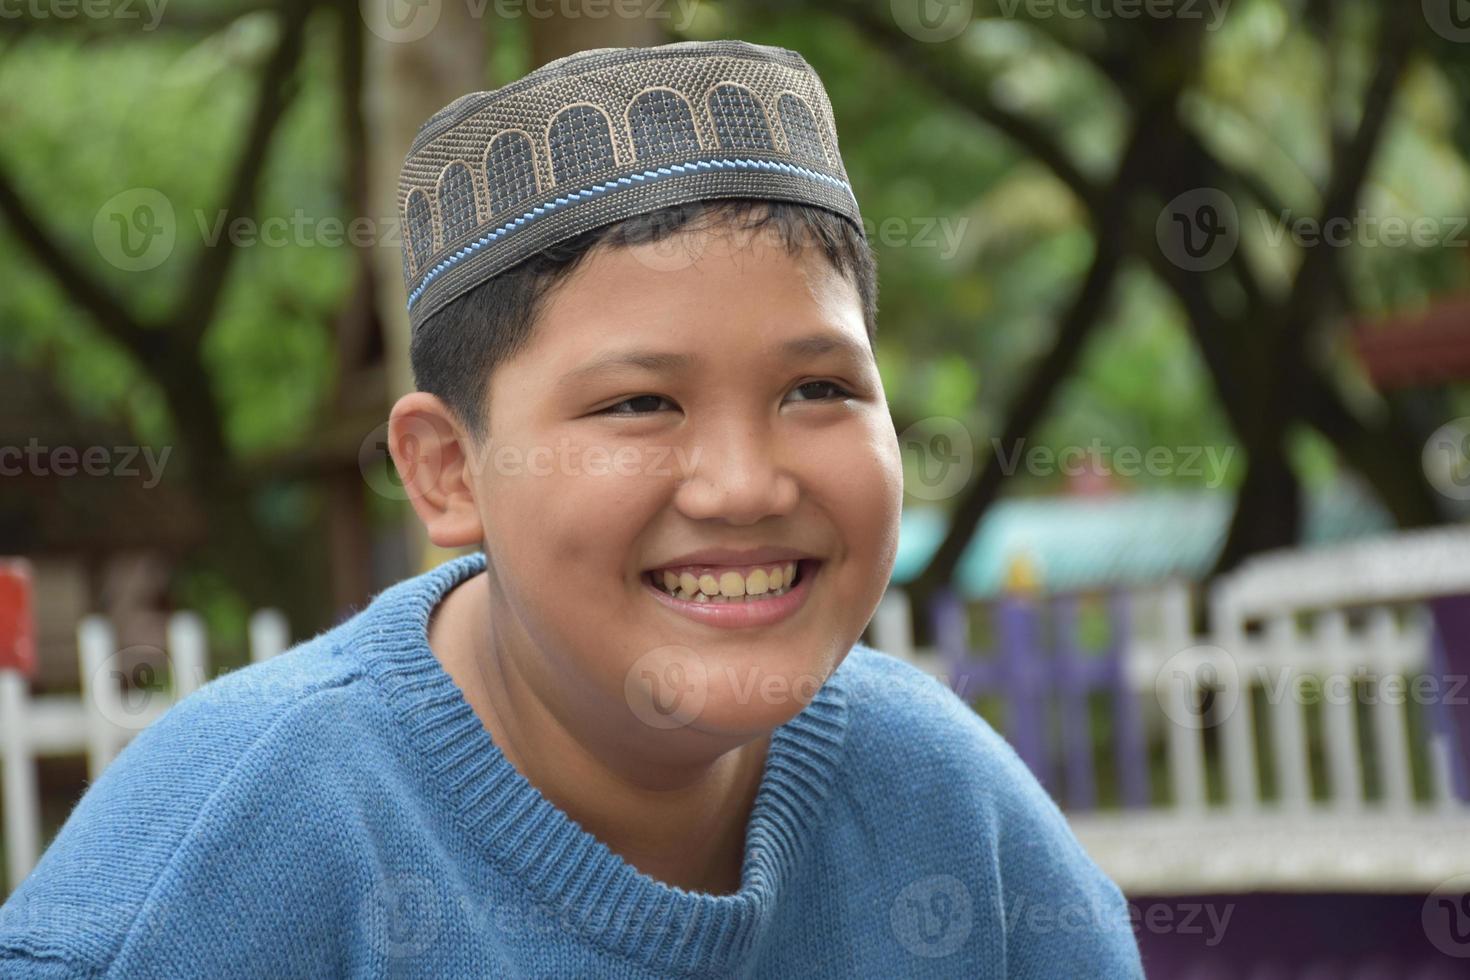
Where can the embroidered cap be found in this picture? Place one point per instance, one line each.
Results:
(601, 135)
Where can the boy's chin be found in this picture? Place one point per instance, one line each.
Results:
(752, 704)
(719, 689)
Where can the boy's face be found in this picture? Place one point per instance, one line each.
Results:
(733, 439)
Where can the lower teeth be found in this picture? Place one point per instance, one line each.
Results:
(719, 599)
(722, 599)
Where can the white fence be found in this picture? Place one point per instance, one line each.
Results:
(1359, 649)
(1362, 669)
(107, 713)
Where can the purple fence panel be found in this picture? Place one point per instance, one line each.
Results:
(1074, 683)
(1024, 678)
(1441, 719)
(1031, 676)
(1129, 745)
(1451, 662)
(967, 675)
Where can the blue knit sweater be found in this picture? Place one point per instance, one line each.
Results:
(340, 811)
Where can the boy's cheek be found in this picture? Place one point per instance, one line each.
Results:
(886, 464)
(877, 503)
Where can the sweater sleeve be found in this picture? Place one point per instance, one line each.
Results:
(1064, 917)
(1023, 898)
(181, 859)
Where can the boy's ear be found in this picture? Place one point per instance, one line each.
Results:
(433, 454)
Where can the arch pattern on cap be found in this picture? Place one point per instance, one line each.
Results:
(581, 144)
(419, 228)
(662, 124)
(739, 118)
(510, 170)
(800, 126)
(457, 211)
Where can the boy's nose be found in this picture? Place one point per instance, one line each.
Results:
(739, 476)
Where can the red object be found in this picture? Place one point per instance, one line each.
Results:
(1428, 347)
(17, 617)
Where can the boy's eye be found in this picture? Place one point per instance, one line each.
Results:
(648, 404)
(644, 400)
(838, 390)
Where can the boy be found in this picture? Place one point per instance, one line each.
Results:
(634, 735)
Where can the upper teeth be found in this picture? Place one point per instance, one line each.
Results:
(705, 584)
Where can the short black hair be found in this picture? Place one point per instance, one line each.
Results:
(454, 352)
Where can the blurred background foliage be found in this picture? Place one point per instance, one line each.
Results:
(1272, 94)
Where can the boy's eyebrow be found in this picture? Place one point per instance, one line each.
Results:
(809, 346)
(816, 344)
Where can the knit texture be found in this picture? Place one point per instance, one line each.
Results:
(340, 811)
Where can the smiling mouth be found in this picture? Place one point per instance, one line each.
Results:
(731, 585)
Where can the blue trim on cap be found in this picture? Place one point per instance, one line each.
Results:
(596, 190)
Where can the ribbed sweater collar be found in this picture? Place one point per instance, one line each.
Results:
(596, 894)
